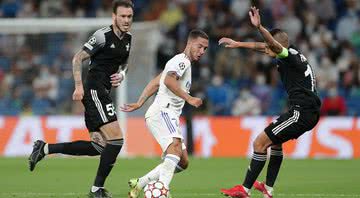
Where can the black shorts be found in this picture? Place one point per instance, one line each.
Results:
(292, 125)
(99, 108)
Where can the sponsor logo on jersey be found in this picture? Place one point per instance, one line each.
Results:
(127, 47)
(112, 46)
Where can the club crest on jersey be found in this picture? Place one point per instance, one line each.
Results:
(92, 40)
(182, 65)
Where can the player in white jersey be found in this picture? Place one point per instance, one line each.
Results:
(162, 117)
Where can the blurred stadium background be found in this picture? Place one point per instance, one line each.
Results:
(241, 89)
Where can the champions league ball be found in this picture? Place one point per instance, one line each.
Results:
(156, 189)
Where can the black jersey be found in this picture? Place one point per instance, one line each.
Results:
(299, 80)
(107, 54)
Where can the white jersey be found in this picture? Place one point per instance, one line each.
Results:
(167, 99)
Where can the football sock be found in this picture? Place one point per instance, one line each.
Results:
(246, 189)
(276, 158)
(107, 160)
(74, 148)
(46, 149)
(256, 165)
(94, 188)
(167, 169)
(269, 189)
(153, 175)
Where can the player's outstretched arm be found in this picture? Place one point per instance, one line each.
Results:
(148, 91)
(274, 46)
(77, 63)
(171, 82)
(258, 46)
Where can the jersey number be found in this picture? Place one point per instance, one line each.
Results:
(310, 72)
(110, 109)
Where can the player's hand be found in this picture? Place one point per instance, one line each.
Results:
(228, 42)
(130, 107)
(255, 16)
(194, 101)
(116, 79)
(78, 93)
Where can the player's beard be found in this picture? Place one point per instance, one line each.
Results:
(118, 27)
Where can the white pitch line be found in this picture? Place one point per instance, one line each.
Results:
(32, 194)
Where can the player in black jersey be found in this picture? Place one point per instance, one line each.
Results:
(304, 104)
(108, 49)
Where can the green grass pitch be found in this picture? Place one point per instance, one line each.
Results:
(72, 177)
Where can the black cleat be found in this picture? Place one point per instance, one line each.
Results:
(37, 154)
(101, 193)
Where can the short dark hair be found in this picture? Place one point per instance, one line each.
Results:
(280, 36)
(195, 33)
(122, 3)
(276, 31)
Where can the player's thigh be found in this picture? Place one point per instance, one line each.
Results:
(164, 127)
(99, 109)
(291, 125)
(111, 130)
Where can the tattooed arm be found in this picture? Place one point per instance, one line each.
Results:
(77, 64)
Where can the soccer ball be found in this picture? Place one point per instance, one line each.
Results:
(156, 189)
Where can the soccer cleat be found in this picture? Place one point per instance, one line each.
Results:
(37, 154)
(237, 191)
(101, 193)
(260, 186)
(134, 188)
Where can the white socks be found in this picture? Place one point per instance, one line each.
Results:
(167, 168)
(95, 188)
(246, 189)
(46, 149)
(269, 189)
(153, 175)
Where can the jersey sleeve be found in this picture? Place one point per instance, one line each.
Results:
(95, 42)
(179, 66)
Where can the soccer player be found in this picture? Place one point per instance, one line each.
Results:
(108, 49)
(162, 117)
(304, 104)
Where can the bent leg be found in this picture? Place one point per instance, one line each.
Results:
(261, 143)
(172, 158)
(90, 148)
(113, 134)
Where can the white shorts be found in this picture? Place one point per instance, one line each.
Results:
(165, 126)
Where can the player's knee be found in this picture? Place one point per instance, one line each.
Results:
(277, 147)
(259, 146)
(175, 148)
(98, 138)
